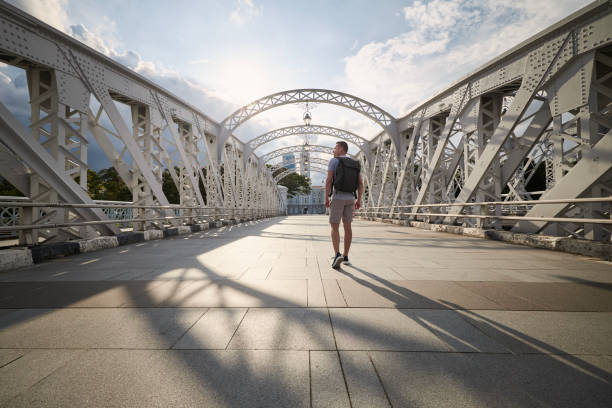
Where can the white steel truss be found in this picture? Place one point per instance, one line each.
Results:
(163, 133)
(533, 123)
(297, 149)
(371, 111)
(336, 133)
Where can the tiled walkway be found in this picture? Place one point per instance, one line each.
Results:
(254, 316)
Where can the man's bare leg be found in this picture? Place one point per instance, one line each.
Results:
(335, 237)
(348, 237)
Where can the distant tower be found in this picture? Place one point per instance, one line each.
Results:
(305, 163)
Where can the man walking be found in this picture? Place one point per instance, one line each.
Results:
(344, 181)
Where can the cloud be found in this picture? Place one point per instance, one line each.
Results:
(14, 92)
(52, 12)
(245, 10)
(199, 61)
(444, 39)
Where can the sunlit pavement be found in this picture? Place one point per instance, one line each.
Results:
(253, 315)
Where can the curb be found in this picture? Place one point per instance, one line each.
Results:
(593, 249)
(13, 258)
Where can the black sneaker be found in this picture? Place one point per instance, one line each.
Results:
(337, 261)
(346, 261)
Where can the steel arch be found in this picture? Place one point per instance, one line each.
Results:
(297, 149)
(312, 160)
(378, 115)
(306, 130)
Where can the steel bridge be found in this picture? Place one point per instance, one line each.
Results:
(239, 305)
(466, 156)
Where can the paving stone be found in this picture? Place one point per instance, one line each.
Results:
(327, 381)
(448, 294)
(583, 276)
(186, 272)
(32, 367)
(333, 296)
(452, 274)
(316, 294)
(169, 293)
(390, 294)
(228, 293)
(72, 294)
(293, 272)
(497, 292)
(9, 355)
(162, 378)
(355, 270)
(365, 389)
(493, 380)
(450, 327)
(382, 329)
(547, 332)
(95, 328)
(214, 330)
(564, 296)
(258, 272)
(286, 329)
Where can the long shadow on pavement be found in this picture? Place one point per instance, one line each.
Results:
(237, 378)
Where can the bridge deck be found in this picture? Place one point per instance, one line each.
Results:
(253, 315)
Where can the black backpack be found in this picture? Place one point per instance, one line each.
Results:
(346, 177)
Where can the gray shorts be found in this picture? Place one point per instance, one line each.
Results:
(341, 209)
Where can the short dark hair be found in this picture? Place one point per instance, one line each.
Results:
(343, 145)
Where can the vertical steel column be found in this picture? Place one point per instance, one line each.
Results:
(187, 194)
(148, 139)
(62, 131)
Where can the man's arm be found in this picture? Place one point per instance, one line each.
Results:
(328, 186)
(359, 193)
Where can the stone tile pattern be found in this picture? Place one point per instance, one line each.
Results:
(252, 315)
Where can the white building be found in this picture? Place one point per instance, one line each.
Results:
(313, 203)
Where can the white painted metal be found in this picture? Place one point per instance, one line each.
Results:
(373, 112)
(40, 161)
(336, 133)
(297, 149)
(165, 131)
(538, 113)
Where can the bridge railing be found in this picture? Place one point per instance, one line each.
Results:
(120, 213)
(489, 214)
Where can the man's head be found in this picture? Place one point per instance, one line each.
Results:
(341, 149)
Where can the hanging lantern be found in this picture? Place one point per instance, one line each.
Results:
(307, 118)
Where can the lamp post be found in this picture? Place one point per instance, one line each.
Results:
(307, 116)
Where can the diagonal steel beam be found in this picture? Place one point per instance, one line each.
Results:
(16, 138)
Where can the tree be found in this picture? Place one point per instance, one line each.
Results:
(95, 185)
(7, 189)
(113, 188)
(296, 184)
(169, 188)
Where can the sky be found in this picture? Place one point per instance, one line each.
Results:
(220, 55)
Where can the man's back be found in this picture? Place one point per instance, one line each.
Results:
(339, 195)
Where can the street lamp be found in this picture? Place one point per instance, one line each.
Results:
(307, 116)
